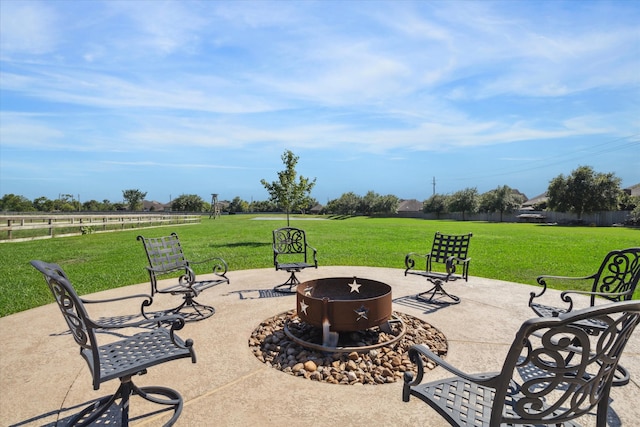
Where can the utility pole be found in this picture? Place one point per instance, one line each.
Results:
(434, 185)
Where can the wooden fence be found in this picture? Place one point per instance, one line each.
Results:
(15, 228)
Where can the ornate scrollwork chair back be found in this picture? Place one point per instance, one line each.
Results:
(139, 345)
(166, 260)
(616, 280)
(292, 253)
(554, 372)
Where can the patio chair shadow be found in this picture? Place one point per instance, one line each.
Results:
(112, 417)
(413, 302)
(240, 244)
(247, 294)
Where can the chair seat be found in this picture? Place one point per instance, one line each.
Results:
(465, 403)
(138, 352)
(592, 325)
(194, 289)
(297, 266)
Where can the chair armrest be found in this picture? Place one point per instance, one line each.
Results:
(410, 261)
(148, 300)
(314, 254)
(566, 295)
(452, 261)
(418, 350)
(98, 301)
(542, 280)
(219, 267)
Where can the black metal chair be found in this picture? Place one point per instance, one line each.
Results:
(114, 351)
(538, 383)
(450, 251)
(166, 259)
(292, 253)
(615, 281)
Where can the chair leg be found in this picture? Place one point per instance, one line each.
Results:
(99, 409)
(437, 289)
(291, 283)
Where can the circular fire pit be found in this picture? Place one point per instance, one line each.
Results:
(343, 304)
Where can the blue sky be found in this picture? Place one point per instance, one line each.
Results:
(180, 97)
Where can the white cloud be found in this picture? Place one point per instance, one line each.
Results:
(27, 27)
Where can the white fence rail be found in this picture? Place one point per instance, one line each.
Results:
(31, 227)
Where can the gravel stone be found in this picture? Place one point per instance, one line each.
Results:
(382, 365)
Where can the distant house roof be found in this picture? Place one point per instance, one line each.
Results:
(535, 200)
(152, 205)
(634, 190)
(316, 209)
(411, 205)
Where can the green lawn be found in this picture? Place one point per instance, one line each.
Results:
(505, 251)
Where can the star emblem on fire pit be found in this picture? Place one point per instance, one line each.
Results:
(307, 291)
(362, 313)
(303, 307)
(355, 286)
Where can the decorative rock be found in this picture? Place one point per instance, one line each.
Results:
(381, 365)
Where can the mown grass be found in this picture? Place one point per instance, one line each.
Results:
(504, 251)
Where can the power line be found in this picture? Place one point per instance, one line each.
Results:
(550, 162)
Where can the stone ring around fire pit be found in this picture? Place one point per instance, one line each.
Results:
(347, 305)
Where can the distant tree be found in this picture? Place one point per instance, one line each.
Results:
(43, 204)
(309, 204)
(634, 216)
(584, 191)
(238, 205)
(368, 203)
(386, 205)
(502, 199)
(92, 206)
(627, 202)
(437, 204)
(464, 201)
(347, 204)
(286, 192)
(134, 199)
(106, 205)
(188, 203)
(15, 203)
(263, 206)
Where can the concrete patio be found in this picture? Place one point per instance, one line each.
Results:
(44, 381)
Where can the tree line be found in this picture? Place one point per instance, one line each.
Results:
(583, 191)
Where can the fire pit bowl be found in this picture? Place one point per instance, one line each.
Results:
(344, 303)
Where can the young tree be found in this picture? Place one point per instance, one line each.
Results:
(584, 191)
(286, 192)
(134, 199)
(464, 201)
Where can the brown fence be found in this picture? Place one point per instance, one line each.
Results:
(15, 228)
(600, 219)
